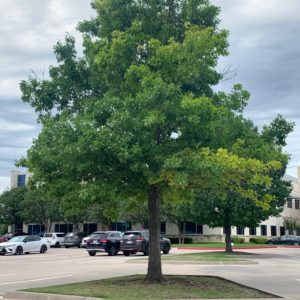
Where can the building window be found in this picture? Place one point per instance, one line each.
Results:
(191, 228)
(21, 180)
(291, 231)
(199, 229)
(273, 231)
(36, 229)
(282, 230)
(89, 227)
(298, 231)
(240, 230)
(290, 203)
(297, 202)
(252, 231)
(163, 227)
(263, 229)
(121, 226)
(65, 228)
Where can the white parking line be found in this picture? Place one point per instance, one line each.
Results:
(7, 275)
(31, 280)
(293, 261)
(297, 279)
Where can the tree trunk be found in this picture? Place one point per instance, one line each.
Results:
(227, 229)
(154, 274)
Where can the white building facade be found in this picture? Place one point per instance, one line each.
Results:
(274, 226)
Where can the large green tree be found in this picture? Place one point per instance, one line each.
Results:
(117, 121)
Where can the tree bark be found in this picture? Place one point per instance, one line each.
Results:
(227, 229)
(154, 274)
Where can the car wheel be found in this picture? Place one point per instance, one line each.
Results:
(112, 251)
(19, 250)
(270, 243)
(43, 249)
(296, 243)
(66, 246)
(92, 253)
(2, 253)
(126, 253)
(57, 245)
(166, 249)
(146, 251)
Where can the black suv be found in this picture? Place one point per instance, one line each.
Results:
(106, 241)
(73, 239)
(138, 241)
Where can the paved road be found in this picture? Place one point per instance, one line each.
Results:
(277, 271)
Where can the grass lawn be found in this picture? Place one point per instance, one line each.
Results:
(218, 245)
(175, 287)
(207, 256)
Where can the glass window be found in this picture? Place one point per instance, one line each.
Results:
(162, 227)
(282, 230)
(297, 202)
(263, 229)
(240, 230)
(298, 231)
(65, 228)
(273, 231)
(199, 229)
(252, 231)
(290, 203)
(21, 180)
(89, 227)
(191, 228)
(121, 226)
(132, 235)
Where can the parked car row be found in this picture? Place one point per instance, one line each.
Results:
(110, 242)
(130, 242)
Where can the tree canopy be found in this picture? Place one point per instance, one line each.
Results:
(119, 121)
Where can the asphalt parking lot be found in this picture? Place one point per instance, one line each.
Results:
(275, 270)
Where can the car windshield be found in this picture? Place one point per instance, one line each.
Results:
(131, 235)
(48, 235)
(60, 234)
(17, 239)
(97, 235)
(69, 234)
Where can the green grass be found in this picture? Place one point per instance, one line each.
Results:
(218, 245)
(175, 287)
(207, 256)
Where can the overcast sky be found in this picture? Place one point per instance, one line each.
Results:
(264, 52)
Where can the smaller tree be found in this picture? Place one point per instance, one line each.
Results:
(11, 206)
(229, 190)
(38, 208)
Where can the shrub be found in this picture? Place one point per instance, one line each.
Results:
(238, 240)
(258, 240)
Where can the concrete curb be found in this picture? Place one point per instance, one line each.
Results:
(42, 296)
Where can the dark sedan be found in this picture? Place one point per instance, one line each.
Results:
(138, 241)
(285, 240)
(73, 239)
(106, 241)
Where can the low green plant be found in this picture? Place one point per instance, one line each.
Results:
(238, 240)
(258, 240)
(3, 229)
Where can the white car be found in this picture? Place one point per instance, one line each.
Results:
(55, 239)
(24, 244)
